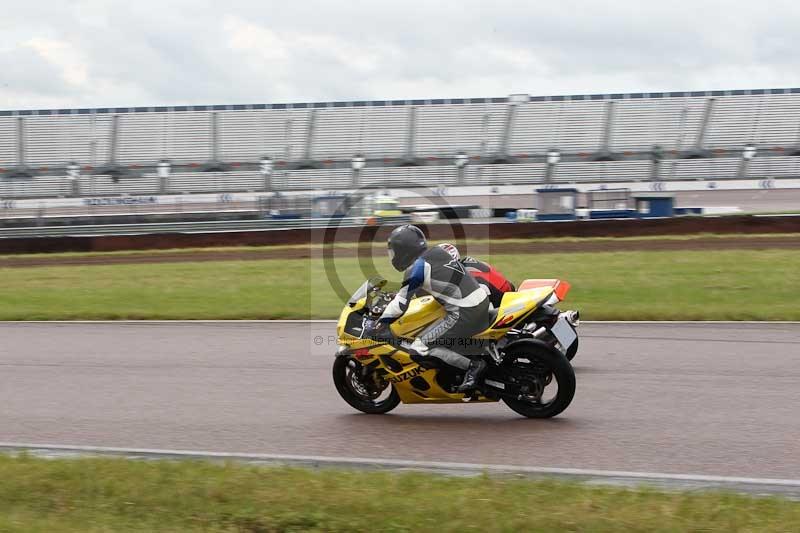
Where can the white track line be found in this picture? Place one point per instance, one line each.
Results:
(333, 321)
(182, 321)
(787, 487)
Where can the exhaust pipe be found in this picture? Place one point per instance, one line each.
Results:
(539, 332)
(573, 317)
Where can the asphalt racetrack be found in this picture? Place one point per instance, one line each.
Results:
(714, 399)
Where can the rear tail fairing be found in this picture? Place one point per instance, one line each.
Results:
(545, 312)
(560, 287)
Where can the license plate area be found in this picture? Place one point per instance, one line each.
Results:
(564, 333)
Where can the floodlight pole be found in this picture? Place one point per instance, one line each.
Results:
(748, 153)
(163, 169)
(357, 163)
(552, 159)
(461, 160)
(266, 167)
(20, 142)
(656, 155)
(74, 178)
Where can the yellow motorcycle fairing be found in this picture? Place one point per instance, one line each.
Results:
(421, 313)
(415, 384)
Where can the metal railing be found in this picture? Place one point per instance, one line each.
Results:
(194, 227)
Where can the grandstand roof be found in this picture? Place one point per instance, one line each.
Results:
(385, 103)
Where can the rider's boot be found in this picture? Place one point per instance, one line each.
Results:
(472, 375)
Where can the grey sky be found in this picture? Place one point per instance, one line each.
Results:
(105, 53)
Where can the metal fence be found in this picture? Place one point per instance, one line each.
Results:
(191, 227)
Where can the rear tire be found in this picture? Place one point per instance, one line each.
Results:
(562, 374)
(343, 368)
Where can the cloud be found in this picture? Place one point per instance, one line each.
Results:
(25, 71)
(64, 57)
(108, 53)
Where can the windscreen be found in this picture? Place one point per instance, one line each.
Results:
(361, 292)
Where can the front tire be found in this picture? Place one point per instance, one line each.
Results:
(346, 378)
(544, 366)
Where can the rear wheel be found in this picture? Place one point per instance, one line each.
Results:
(546, 377)
(363, 390)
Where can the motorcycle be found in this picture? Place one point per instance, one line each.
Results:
(528, 348)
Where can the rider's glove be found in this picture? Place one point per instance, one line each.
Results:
(375, 329)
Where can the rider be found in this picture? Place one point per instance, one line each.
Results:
(465, 302)
(485, 274)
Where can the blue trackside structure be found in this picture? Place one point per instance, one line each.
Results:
(654, 205)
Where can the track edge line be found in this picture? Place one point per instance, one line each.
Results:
(743, 484)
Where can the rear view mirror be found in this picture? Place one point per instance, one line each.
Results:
(374, 285)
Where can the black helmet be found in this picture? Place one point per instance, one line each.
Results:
(406, 243)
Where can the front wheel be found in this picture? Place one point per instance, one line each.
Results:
(545, 375)
(363, 391)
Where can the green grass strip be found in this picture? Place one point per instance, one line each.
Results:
(117, 495)
(686, 285)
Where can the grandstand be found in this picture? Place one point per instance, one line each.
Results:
(518, 139)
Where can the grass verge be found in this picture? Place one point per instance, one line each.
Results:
(93, 494)
(686, 285)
